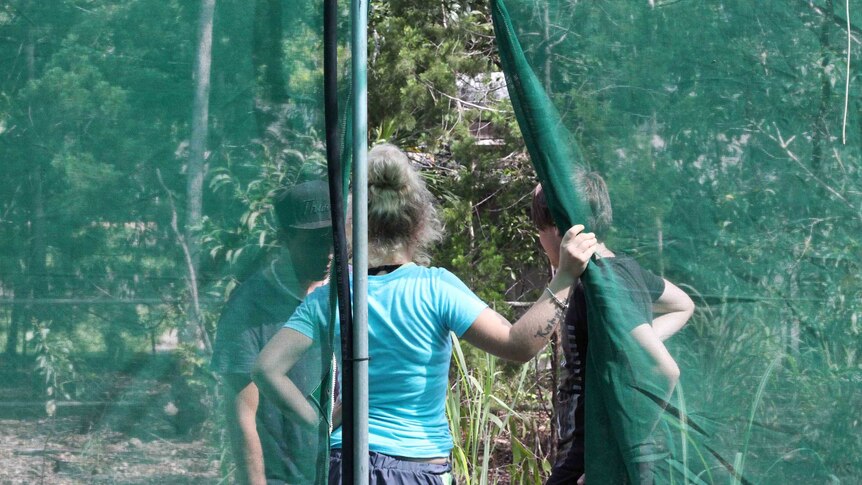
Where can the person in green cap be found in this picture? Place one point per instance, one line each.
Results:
(269, 448)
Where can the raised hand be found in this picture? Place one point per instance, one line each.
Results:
(576, 250)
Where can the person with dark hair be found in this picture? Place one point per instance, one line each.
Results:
(269, 448)
(412, 309)
(651, 295)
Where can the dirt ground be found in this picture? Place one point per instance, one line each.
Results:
(56, 451)
(133, 439)
(120, 431)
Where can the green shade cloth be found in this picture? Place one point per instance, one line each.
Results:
(620, 417)
(719, 128)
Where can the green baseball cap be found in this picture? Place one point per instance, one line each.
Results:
(304, 206)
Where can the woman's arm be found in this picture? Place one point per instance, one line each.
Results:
(521, 342)
(674, 308)
(270, 374)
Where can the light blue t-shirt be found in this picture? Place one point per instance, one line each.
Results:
(410, 314)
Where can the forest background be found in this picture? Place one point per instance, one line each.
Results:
(140, 166)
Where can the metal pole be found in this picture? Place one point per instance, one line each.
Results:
(359, 64)
(335, 171)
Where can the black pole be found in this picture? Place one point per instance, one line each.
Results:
(336, 195)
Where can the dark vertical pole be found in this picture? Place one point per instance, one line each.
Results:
(336, 194)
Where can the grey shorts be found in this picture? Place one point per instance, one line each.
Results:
(388, 470)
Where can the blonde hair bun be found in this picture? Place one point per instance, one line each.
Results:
(388, 178)
(401, 210)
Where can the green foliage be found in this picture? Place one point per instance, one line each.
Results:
(192, 390)
(527, 466)
(54, 364)
(490, 238)
(417, 52)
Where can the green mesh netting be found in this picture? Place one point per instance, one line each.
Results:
(143, 263)
(722, 128)
(150, 249)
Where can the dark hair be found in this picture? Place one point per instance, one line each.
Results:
(539, 210)
(401, 210)
(593, 186)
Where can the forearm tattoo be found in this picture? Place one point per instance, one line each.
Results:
(546, 331)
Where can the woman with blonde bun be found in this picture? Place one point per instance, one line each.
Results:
(412, 308)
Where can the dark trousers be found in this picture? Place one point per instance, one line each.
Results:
(388, 470)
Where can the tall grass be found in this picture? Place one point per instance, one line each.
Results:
(750, 408)
(480, 419)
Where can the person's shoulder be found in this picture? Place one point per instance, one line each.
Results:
(413, 270)
(622, 259)
(255, 292)
(430, 278)
(320, 293)
(252, 285)
(631, 262)
(624, 262)
(432, 270)
(436, 278)
(634, 274)
(437, 273)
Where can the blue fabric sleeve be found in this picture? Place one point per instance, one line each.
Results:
(310, 318)
(457, 305)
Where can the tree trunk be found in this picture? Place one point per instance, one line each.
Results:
(821, 127)
(267, 52)
(37, 268)
(33, 283)
(192, 332)
(11, 348)
(267, 58)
